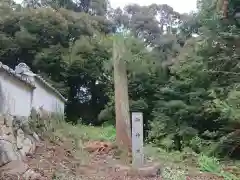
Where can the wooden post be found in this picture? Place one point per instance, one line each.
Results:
(123, 127)
(137, 140)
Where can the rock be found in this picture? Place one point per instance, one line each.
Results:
(20, 138)
(36, 137)
(7, 134)
(34, 146)
(6, 130)
(4, 158)
(9, 138)
(2, 120)
(31, 175)
(8, 120)
(15, 143)
(7, 153)
(14, 168)
(26, 146)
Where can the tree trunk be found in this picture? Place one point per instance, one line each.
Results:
(123, 132)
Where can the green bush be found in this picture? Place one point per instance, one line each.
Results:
(196, 144)
(107, 115)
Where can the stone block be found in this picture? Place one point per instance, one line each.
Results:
(26, 146)
(20, 138)
(7, 152)
(9, 138)
(4, 158)
(7, 134)
(6, 130)
(8, 120)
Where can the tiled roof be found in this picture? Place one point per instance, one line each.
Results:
(10, 71)
(30, 83)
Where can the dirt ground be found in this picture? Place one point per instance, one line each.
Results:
(57, 161)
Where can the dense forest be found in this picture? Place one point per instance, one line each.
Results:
(183, 69)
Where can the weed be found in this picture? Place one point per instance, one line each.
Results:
(212, 165)
(209, 164)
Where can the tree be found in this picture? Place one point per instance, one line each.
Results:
(123, 127)
(201, 94)
(52, 41)
(186, 86)
(148, 22)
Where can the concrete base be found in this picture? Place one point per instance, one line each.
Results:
(150, 170)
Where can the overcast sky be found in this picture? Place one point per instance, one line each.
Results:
(178, 5)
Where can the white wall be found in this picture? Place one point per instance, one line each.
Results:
(43, 96)
(17, 95)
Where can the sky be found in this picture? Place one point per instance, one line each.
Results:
(182, 6)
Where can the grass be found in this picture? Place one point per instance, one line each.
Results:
(86, 133)
(173, 158)
(172, 162)
(176, 164)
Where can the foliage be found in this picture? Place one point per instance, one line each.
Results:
(198, 104)
(209, 164)
(187, 86)
(62, 41)
(212, 165)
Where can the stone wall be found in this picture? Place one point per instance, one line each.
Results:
(16, 142)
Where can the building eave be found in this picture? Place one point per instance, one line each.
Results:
(11, 72)
(51, 87)
(29, 82)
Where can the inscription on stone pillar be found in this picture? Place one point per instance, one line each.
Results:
(137, 140)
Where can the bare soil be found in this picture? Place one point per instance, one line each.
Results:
(57, 161)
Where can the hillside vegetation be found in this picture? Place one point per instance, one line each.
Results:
(183, 69)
